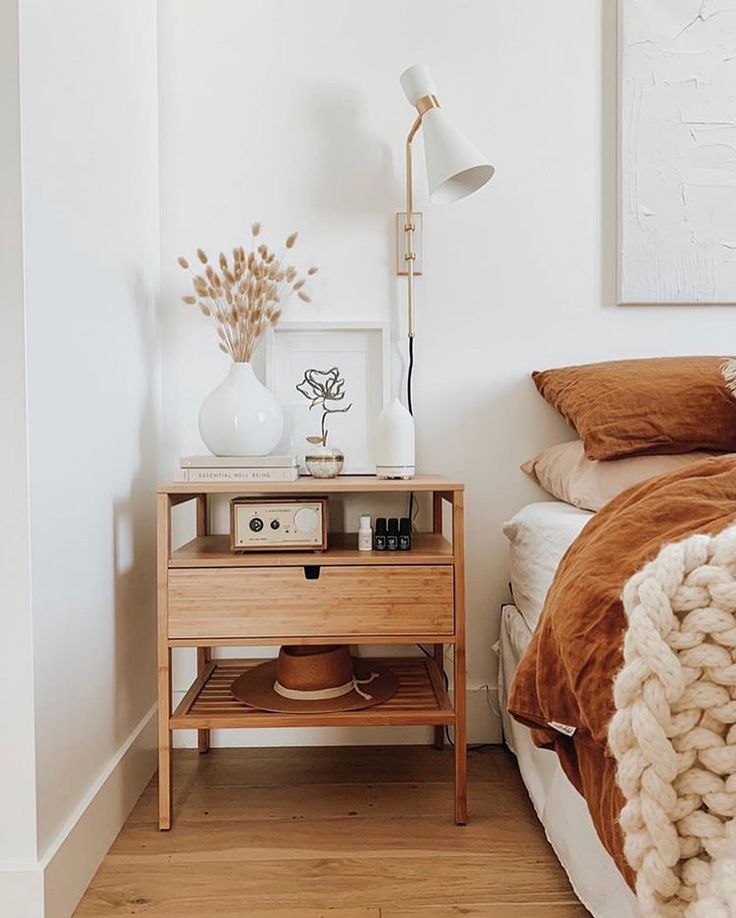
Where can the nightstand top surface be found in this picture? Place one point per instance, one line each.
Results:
(307, 485)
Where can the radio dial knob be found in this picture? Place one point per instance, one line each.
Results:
(306, 520)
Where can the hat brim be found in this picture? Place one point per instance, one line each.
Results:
(255, 688)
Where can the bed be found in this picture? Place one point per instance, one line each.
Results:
(627, 675)
(629, 678)
(538, 537)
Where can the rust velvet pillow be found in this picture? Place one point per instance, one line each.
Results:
(638, 407)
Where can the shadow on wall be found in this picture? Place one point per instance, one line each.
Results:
(353, 173)
(134, 545)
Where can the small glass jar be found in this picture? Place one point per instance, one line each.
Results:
(324, 461)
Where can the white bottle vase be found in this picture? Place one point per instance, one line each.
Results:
(394, 442)
(241, 417)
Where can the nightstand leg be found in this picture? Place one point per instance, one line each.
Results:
(165, 776)
(461, 753)
(439, 659)
(204, 655)
(439, 649)
(163, 549)
(459, 670)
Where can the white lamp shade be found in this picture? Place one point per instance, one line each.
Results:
(455, 168)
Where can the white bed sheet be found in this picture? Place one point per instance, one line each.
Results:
(560, 808)
(539, 535)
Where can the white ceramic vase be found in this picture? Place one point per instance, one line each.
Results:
(241, 417)
(394, 442)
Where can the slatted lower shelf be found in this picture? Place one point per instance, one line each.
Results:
(421, 699)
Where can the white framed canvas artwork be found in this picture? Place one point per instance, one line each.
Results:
(360, 351)
(677, 151)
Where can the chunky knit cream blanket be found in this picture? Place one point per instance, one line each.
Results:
(674, 730)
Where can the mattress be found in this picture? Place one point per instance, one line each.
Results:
(539, 535)
(561, 810)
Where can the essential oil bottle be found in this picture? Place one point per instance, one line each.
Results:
(405, 534)
(380, 535)
(365, 534)
(392, 539)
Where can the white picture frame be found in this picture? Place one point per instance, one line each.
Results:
(361, 351)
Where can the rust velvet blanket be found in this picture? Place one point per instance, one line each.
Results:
(566, 676)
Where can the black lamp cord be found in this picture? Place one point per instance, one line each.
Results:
(410, 405)
(409, 376)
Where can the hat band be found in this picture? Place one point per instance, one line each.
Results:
(325, 694)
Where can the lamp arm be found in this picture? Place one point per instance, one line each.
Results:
(409, 226)
(423, 105)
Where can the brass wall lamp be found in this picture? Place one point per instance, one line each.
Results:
(455, 169)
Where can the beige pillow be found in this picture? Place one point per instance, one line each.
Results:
(565, 473)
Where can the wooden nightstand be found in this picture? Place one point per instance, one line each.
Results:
(209, 597)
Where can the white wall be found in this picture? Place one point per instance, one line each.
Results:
(90, 190)
(17, 785)
(291, 113)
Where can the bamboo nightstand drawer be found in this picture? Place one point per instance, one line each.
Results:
(297, 601)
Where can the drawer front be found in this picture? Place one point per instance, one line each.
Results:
(279, 602)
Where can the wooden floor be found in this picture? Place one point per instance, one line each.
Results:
(338, 832)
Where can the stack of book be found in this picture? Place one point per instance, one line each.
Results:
(238, 468)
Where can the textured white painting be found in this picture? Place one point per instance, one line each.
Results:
(677, 154)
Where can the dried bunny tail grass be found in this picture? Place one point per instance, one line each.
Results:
(242, 296)
(728, 370)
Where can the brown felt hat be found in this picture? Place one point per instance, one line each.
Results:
(315, 679)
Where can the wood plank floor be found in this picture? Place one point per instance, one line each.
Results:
(337, 832)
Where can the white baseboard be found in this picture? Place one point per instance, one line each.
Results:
(53, 887)
(76, 854)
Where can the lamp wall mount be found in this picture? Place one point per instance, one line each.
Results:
(403, 252)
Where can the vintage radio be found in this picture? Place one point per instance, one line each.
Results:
(291, 523)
